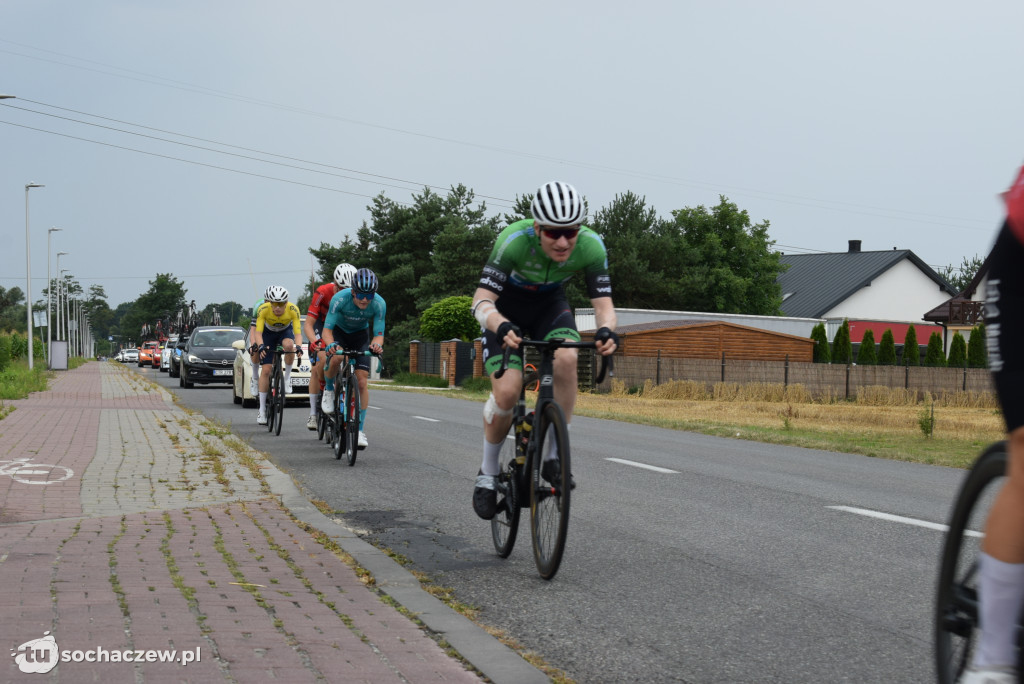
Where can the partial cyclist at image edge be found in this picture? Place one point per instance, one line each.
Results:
(354, 315)
(521, 292)
(313, 328)
(254, 384)
(278, 323)
(1001, 561)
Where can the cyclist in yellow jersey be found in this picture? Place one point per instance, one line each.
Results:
(278, 322)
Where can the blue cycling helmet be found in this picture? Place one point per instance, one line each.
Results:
(365, 282)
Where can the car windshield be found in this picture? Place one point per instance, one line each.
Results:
(217, 338)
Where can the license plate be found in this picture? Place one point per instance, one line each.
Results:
(300, 382)
(222, 372)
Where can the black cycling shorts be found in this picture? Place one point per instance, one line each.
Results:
(539, 317)
(360, 340)
(1004, 324)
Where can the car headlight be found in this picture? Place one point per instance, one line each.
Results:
(192, 358)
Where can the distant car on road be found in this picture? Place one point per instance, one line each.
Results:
(166, 352)
(146, 353)
(129, 356)
(208, 355)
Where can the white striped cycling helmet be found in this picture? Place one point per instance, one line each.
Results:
(557, 204)
(343, 275)
(276, 293)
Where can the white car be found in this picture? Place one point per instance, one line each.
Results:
(166, 352)
(242, 374)
(130, 356)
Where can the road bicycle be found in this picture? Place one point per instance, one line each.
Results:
(344, 419)
(277, 393)
(520, 482)
(956, 604)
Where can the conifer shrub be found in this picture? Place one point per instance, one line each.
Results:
(887, 349)
(911, 352)
(842, 348)
(867, 355)
(957, 351)
(935, 355)
(822, 352)
(977, 353)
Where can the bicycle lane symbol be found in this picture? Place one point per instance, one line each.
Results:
(24, 471)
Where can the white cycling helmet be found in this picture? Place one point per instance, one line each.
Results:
(276, 293)
(557, 204)
(343, 275)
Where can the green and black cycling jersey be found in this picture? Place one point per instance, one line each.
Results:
(518, 265)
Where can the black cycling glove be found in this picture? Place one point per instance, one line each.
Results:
(505, 328)
(605, 334)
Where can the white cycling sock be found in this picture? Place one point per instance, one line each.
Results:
(490, 466)
(314, 400)
(287, 375)
(263, 403)
(552, 445)
(1001, 594)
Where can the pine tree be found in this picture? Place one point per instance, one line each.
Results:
(911, 352)
(957, 351)
(842, 348)
(822, 352)
(935, 355)
(867, 355)
(887, 349)
(977, 353)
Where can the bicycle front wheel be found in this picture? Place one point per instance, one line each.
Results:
(549, 500)
(505, 523)
(351, 419)
(278, 399)
(338, 433)
(956, 606)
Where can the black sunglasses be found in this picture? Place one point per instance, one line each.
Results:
(556, 233)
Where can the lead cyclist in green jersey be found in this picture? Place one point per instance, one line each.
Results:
(521, 292)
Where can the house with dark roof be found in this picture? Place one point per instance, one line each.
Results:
(874, 290)
(964, 311)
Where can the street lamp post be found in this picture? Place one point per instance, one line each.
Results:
(59, 271)
(28, 273)
(49, 290)
(63, 306)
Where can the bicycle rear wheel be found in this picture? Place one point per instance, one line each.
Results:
(271, 406)
(321, 423)
(279, 395)
(505, 523)
(549, 502)
(351, 419)
(956, 606)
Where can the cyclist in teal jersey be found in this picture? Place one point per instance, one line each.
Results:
(353, 314)
(254, 383)
(521, 292)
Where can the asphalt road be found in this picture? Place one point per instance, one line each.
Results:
(734, 562)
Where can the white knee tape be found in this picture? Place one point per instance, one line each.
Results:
(491, 409)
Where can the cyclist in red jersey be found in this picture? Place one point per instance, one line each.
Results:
(1001, 563)
(313, 327)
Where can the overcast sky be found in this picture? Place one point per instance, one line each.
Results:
(895, 123)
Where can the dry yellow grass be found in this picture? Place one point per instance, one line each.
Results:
(883, 422)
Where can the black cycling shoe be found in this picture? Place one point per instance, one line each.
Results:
(551, 469)
(485, 498)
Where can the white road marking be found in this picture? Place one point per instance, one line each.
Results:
(641, 465)
(900, 519)
(429, 420)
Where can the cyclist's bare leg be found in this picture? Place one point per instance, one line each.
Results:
(264, 384)
(289, 358)
(1002, 566)
(316, 376)
(362, 378)
(505, 391)
(566, 381)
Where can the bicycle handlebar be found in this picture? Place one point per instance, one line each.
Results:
(607, 363)
(354, 352)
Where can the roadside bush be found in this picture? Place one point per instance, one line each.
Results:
(957, 351)
(822, 352)
(935, 355)
(5, 351)
(887, 349)
(19, 346)
(911, 352)
(842, 348)
(867, 356)
(977, 353)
